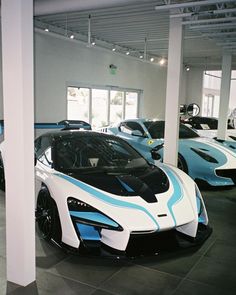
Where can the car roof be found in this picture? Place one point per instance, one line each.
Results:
(142, 120)
(77, 133)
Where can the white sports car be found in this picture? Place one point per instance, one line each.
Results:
(94, 191)
(207, 127)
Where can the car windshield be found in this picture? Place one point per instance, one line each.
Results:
(156, 130)
(96, 153)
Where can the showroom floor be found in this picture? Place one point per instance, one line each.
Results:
(210, 269)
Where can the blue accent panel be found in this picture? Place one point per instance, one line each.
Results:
(94, 216)
(102, 196)
(88, 232)
(198, 205)
(48, 126)
(177, 194)
(128, 188)
(201, 219)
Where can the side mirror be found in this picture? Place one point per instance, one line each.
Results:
(155, 155)
(137, 133)
(193, 109)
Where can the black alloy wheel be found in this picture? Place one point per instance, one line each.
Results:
(47, 216)
(182, 165)
(2, 179)
(2, 183)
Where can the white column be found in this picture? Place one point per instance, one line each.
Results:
(174, 73)
(17, 61)
(224, 95)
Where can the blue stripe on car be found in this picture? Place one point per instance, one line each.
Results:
(106, 198)
(177, 193)
(94, 216)
(126, 186)
(88, 232)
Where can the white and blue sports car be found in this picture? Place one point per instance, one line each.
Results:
(207, 127)
(94, 191)
(205, 160)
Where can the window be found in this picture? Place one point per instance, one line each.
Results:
(116, 106)
(210, 105)
(46, 157)
(128, 127)
(78, 103)
(101, 106)
(41, 144)
(131, 105)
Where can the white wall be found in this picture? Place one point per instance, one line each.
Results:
(194, 85)
(59, 63)
(232, 101)
(1, 94)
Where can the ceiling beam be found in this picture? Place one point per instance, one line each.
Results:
(190, 4)
(219, 34)
(204, 13)
(213, 26)
(209, 20)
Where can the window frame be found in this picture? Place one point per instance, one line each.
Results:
(109, 89)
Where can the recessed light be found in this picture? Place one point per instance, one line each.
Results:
(162, 61)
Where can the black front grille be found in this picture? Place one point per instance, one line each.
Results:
(229, 173)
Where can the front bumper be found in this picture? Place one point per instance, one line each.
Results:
(146, 244)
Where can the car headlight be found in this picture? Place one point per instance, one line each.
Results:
(83, 213)
(205, 156)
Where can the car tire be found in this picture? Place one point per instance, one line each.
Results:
(47, 217)
(2, 177)
(182, 165)
(2, 183)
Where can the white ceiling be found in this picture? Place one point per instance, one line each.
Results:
(208, 29)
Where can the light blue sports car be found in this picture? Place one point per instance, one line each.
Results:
(204, 159)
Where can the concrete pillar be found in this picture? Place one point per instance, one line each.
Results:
(224, 95)
(17, 62)
(174, 73)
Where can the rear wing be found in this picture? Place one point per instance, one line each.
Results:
(41, 128)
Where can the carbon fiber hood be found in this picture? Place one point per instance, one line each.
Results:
(145, 183)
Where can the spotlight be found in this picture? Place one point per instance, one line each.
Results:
(72, 36)
(127, 53)
(152, 59)
(187, 68)
(113, 49)
(93, 43)
(162, 61)
(46, 30)
(141, 56)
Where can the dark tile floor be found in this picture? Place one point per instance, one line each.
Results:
(208, 270)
